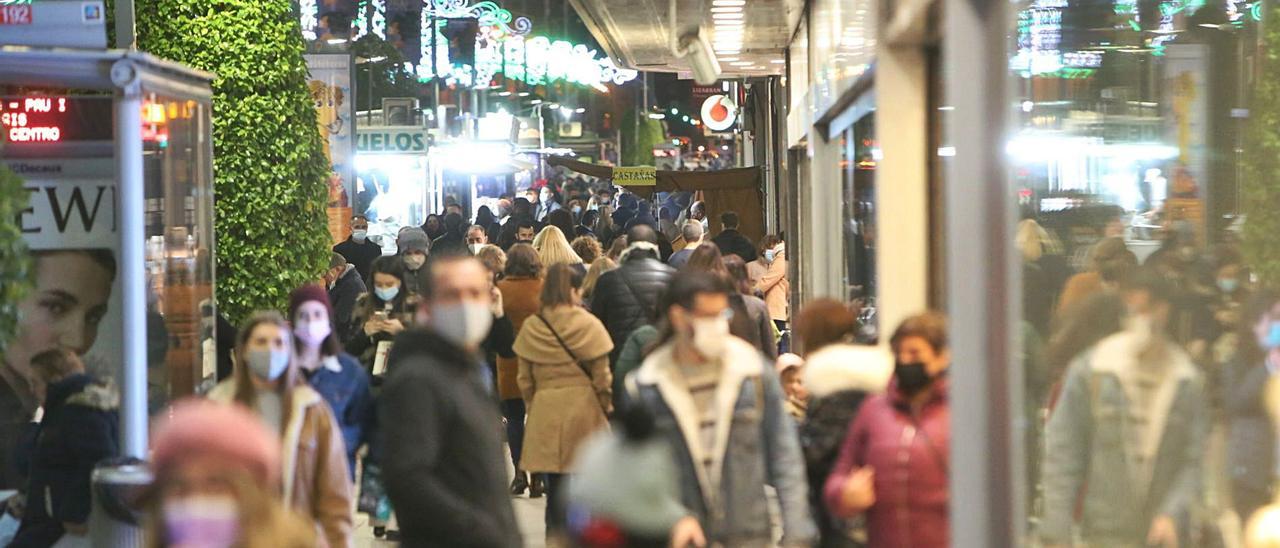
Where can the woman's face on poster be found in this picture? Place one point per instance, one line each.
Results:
(66, 305)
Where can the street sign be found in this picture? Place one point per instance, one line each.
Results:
(54, 24)
(635, 176)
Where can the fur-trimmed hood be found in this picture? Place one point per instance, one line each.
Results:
(841, 367)
(641, 246)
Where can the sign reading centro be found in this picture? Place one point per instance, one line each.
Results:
(392, 140)
(635, 176)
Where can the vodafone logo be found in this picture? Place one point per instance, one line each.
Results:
(719, 113)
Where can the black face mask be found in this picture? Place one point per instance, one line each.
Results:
(912, 377)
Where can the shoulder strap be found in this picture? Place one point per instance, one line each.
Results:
(572, 356)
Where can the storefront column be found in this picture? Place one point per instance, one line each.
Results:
(822, 203)
(982, 280)
(902, 181)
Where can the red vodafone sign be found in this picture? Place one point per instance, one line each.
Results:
(719, 113)
(15, 14)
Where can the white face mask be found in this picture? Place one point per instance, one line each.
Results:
(359, 235)
(312, 333)
(202, 521)
(414, 261)
(465, 323)
(475, 248)
(710, 336)
(267, 364)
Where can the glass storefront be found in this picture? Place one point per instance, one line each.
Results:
(859, 156)
(1143, 335)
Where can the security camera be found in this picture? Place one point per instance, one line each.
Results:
(696, 51)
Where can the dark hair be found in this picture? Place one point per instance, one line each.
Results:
(393, 266)
(55, 364)
(738, 274)
(562, 219)
(485, 217)
(589, 217)
(452, 222)
(729, 219)
(521, 207)
(355, 218)
(524, 223)
(1149, 281)
(708, 259)
(769, 241)
(1081, 326)
(587, 248)
(823, 322)
(642, 233)
(930, 326)
(683, 292)
(635, 421)
(523, 262)
(558, 288)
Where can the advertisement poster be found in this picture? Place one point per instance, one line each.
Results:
(1186, 101)
(71, 228)
(330, 86)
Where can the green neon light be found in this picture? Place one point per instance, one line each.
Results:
(1133, 23)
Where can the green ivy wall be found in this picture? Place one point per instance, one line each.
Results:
(269, 166)
(15, 264)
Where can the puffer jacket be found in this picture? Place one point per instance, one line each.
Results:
(625, 298)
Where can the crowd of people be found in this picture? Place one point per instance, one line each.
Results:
(653, 384)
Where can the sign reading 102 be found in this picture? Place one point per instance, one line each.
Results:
(390, 140)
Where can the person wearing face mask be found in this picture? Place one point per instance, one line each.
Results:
(564, 379)
(443, 461)
(477, 238)
(719, 405)
(893, 465)
(1141, 400)
(78, 430)
(548, 201)
(358, 248)
(268, 382)
(344, 288)
(217, 482)
(414, 250)
(775, 288)
(1251, 435)
(382, 313)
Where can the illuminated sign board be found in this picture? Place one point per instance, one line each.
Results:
(54, 119)
(390, 140)
(53, 23)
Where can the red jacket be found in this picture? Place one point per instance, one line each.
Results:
(911, 457)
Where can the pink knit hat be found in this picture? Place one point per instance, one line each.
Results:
(201, 427)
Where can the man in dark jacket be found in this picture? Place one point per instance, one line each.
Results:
(77, 432)
(345, 286)
(454, 239)
(522, 212)
(732, 242)
(625, 298)
(443, 453)
(359, 249)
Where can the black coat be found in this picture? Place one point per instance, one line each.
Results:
(733, 242)
(361, 255)
(449, 245)
(343, 296)
(821, 435)
(79, 430)
(1251, 439)
(442, 460)
(625, 298)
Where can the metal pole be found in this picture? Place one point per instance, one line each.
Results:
(126, 33)
(982, 280)
(128, 153)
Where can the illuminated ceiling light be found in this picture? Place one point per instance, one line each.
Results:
(523, 94)
(742, 63)
(724, 147)
(726, 9)
(580, 110)
(536, 102)
(728, 59)
(702, 148)
(779, 61)
(727, 16)
(336, 41)
(504, 94)
(657, 115)
(729, 2)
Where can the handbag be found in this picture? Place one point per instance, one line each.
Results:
(582, 366)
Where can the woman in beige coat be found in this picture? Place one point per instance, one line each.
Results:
(565, 380)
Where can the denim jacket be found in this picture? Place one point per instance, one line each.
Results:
(1086, 449)
(756, 444)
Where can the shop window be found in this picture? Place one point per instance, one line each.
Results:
(860, 154)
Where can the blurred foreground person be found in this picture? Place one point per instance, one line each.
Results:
(217, 483)
(267, 381)
(638, 509)
(564, 379)
(77, 432)
(895, 459)
(1251, 433)
(719, 405)
(1263, 528)
(791, 375)
(443, 452)
(1125, 442)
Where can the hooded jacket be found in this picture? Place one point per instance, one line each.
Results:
(625, 298)
(78, 431)
(443, 459)
(314, 459)
(565, 406)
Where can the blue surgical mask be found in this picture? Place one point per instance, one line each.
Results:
(387, 293)
(1273, 336)
(577, 210)
(1228, 285)
(769, 255)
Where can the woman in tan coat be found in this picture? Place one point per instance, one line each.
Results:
(564, 377)
(267, 381)
(520, 299)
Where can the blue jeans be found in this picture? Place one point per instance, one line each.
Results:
(513, 410)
